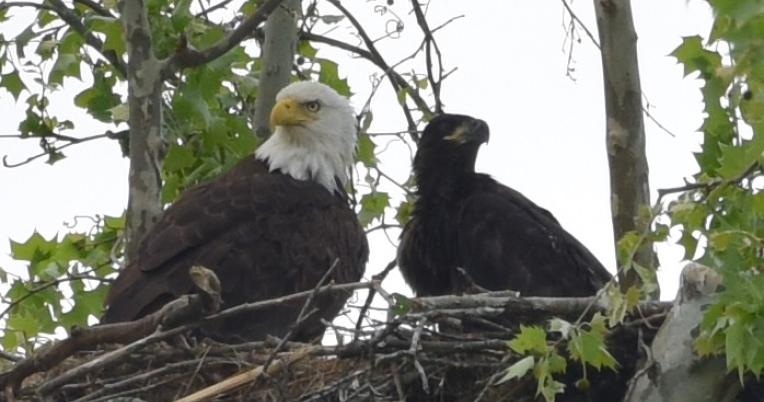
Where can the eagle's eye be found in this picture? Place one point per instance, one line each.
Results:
(313, 106)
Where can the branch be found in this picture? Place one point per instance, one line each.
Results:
(429, 45)
(372, 292)
(248, 376)
(74, 21)
(40, 6)
(187, 57)
(303, 315)
(711, 184)
(119, 135)
(210, 10)
(396, 80)
(97, 8)
(140, 333)
(581, 24)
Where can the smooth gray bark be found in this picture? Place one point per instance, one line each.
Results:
(145, 119)
(676, 373)
(629, 186)
(279, 48)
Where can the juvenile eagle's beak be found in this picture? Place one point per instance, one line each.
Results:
(289, 112)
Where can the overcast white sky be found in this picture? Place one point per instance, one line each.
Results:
(547, 130)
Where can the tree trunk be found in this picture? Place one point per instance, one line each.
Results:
(145, 120)
(629, 186)
(675, 372)
(279, 49)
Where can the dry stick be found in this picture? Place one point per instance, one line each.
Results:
(710, 185)
(413, 350)
(120, 331)
(430, 43)
(372, 292)
(106, 360)
(112, 357)
(302, 316)
(397, 84)
(247, 377)
(131, 382)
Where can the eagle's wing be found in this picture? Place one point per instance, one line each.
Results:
(265, 235)
(505, 241)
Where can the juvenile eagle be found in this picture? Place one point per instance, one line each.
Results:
(468, 220)
(271, 226)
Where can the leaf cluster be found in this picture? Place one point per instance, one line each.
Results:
(719, 214)
(64, 284)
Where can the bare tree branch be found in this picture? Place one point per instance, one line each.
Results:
(430, 44)
(120, 135)
(396, 80)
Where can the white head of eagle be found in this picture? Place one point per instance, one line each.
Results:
(314, 134)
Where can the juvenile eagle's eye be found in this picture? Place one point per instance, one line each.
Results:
(313, 106)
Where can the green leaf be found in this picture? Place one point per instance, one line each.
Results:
(330, 76)
(13, 83)
(113, 31)
(517, 370)
(304, 48)
(99, 100)
(331, 19)
(181, 15)
(627, 246)
(178, 157)
(735, 347)
(120, 113)
(34, 248)
(739, 10)
(365, 152)
(71, 42)
(557, 363)
(696, 58)
(735, 160)
(22, 39)
(189, 104)
(530, 339)
(402, 305)
(66, 65)
(589, 347)
(404, 211)
(373, 206)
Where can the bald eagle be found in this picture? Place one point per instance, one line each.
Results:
(500, 238)
(271, 226)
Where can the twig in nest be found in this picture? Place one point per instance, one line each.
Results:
(413, 352)
(303, 315)
(130, 383)
(372, 292)
(473, 287)
(177, 311)
(247, 377)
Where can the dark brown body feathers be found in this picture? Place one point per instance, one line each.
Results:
(264, 234)
(498, 236)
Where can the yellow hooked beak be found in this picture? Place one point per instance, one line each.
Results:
(289, 112)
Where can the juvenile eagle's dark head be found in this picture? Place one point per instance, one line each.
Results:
(449, 145)
(314, 134)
